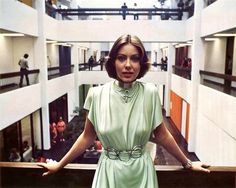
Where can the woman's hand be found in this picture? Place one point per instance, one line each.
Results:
(199, 166)
(51, 167)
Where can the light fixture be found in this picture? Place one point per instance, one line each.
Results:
(210, 39)
(12, 34)
(63, 44)
(51, 41)
(225, 35)
(182, 45)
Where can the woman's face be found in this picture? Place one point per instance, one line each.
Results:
(127, 63)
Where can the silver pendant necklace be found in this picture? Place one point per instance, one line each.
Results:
(126, 91)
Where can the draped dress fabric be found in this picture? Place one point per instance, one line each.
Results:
(123, 119)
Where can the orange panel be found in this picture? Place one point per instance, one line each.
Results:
(27, 2)
(187, 122)
(176, 109)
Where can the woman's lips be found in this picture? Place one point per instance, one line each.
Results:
(127, 74)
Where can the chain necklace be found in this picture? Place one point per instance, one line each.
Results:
(126, 93)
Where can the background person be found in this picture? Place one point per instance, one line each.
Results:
(124, 10)
(91, 62)
(61, 126)
(23, 62)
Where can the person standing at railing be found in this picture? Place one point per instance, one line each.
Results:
(102, 61)
(23, 62)
(124, 10)
(124, 114)
(135, 12)
(91, 62)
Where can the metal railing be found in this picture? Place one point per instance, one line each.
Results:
(165, 13)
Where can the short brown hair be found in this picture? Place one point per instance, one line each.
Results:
(121, 41)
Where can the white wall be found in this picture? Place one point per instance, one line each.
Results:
(219, 16)
(189, 29)
(110, 30)
(181, 87)
(51, 28)
(215, 55)
(59, 86)
(18, 17)
(37, 129)
(16, 104)
(53, 55)
(6, 58)
(216, 133)
(71, 103)
(12, 49)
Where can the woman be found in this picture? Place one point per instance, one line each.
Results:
(123, 114)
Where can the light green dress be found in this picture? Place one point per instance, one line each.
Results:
(123, 119)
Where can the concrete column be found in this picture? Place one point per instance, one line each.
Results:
(75, 53)
(171, 60)
(159, 53)
(40, 52)
(197, 64)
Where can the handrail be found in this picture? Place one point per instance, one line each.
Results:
(59, 67)
(76, 166)
(165, 12)
(13, 74)
(218, 75)
(184, 72)
(185, 69)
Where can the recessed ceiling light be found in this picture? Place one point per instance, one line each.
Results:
(210, 39)
(225, 35)
(12, 34)
(51, 41)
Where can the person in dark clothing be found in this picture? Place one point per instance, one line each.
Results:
(135, 12)
(90, 62)
(23, 62)
(102, 61)
(124, 10)
(164, 63)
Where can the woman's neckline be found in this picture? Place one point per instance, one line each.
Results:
(123, 85)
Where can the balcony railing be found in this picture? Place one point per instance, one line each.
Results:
(10, 80)
(165, 13)
(221, 82)
(184, 72)
(17, 174)
(54, 72)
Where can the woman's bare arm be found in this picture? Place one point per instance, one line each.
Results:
(85, 140)
(164, 138)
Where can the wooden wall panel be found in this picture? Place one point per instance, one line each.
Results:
(176, 109)
(187, 122)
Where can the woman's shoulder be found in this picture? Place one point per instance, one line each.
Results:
(148, 86)
(96, 90)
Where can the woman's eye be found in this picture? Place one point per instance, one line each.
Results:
(135, 58)
(121, 58)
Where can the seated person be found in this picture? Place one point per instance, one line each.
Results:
(14, 155)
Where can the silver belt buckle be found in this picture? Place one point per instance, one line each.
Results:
(125, 156)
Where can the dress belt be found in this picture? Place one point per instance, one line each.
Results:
(124, 155)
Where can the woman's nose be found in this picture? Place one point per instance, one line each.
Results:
(127, 63)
